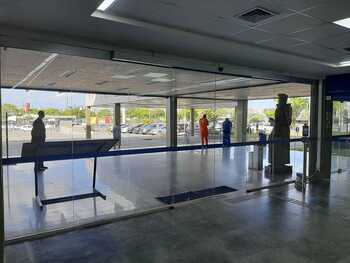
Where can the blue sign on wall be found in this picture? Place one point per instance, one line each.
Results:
(338, 87)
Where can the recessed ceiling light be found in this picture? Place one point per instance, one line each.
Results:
(105, 4)
(343, 22)
(161, 80)
(123, 76)
(155, 75)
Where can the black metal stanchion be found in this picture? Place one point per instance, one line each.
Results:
(302, 178)
(7, 134)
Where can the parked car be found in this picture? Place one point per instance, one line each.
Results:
(149, 128)
(138, 129)
(146, 128)
(158, 130)
(133, 127)
(26, 127)
(124, 128)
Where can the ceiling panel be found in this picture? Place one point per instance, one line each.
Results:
(38, 70)
(339, 42)
(330, 10)
(266, 92)
(282, 42)
(297, 5)
(320, 32)
(290, 24)
(319, 52)
(253, 36)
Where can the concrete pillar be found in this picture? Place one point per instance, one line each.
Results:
(321, 150)
(192, 113)
(240, 122)
(116, 114)
(171, 117)
(88, 122)
(313, 125)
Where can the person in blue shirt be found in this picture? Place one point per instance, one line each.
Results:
(226, 132)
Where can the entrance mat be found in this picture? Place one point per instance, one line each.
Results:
(192, 195)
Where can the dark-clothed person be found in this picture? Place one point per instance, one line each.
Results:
(226, 132)
(38, 137)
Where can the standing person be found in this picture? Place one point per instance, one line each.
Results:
(203, 127)
(38, 137)
(117, 135)
(226, 132)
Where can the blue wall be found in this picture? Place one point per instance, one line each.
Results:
(338, 87)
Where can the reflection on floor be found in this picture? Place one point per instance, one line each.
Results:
(272, 226)
(131, 184)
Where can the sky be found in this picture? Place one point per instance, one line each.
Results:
(44, 99)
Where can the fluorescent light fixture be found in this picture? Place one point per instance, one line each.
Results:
(105, 4)
(343, 22)
(155, 75)
(162, 80)
(344, 64)
(68, 73)
(123, 76)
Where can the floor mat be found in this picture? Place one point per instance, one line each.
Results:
(192, 195)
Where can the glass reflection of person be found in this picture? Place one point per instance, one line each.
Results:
(38, 137)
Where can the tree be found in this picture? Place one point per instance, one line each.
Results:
(103, 113)
(10, 109)
(298, 105)
(269, 113)
(52, 111)
(256, 117)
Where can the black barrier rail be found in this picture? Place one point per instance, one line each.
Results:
(336, 138)
(19, 160)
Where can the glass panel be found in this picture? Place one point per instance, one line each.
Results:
(341, 119)
(137, 118)
(131, 183)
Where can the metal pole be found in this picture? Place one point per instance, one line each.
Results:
(2, 224)
(36, 181)
(304, 165)
(94, 175)
(7, 135)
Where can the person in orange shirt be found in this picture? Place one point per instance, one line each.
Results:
(203, 128)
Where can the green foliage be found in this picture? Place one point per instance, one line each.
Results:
(256, 117)
(214, 114)
(79, 113)
(52, 111)
(14, 110)
(104, 113)
(145, 115)
(10, 109)
(269, 113)
(298, 105)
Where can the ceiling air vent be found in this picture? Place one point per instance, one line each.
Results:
(256, 15)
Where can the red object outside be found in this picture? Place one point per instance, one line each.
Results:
(26, 107)
(108, 119)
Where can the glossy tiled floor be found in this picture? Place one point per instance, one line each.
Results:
(131, 184)
(274, 226)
